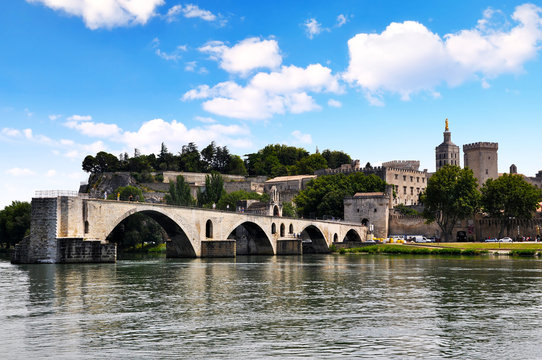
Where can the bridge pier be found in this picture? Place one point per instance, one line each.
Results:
(289, 247)
(218, 248)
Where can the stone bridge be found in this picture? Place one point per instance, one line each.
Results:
(75, 229)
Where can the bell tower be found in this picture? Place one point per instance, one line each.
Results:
(446, 153)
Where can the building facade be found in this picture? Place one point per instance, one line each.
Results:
(481, 158)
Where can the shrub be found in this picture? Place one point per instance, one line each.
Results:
(523, 252)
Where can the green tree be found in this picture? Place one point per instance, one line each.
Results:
(190, 158)
(236, 166)
(451, 195)
(229, 201)
(310, 164)
(179, 193)
(288, 210)
(510, 197)
(336, 158)
(325, 194)
(14, 223)
(127, 193)
(214, 190)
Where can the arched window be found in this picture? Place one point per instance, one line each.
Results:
(209, 229)
(291, 230)
(335, 238)
(273, 229)
(86, 227)
(282, 230)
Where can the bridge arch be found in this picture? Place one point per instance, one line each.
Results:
(251, 239)
(352, 236)
(314, 241)
(178, 244)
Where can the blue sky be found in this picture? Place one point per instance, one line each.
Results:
(375, 79)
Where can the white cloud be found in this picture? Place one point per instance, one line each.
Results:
(175, 55)
(190, 66)
(93, 129)
(54, 117)
(312, 27)
(51, 173)
(80, 118)
(302, 138)
(28, 112)
(407, 58)
(20, 172)
(175, 134)
(189, 11)
(28, 133)
(245, 56)
(11, 132)
(106, 13)
(334, 103)
(341, 20)
(205, 120)
(267, 94)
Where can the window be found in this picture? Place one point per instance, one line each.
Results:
(487, 172)
(418, 190)
(209, 229)
(404, 177)
(411, 178)
(396, 176)
(412, 190)
(417, 179)
(404, 190)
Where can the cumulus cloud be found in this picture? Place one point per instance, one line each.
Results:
(302, 138)
(267, 94)
(407, 58)
(84, 125)
(245, 56)
(106, 13)
(54, 117)
(189, 11)
(334, 103)
(19, 171)
(175, 134)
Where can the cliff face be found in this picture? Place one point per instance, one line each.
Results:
(100, 184)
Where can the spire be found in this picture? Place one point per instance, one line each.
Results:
(446, 128)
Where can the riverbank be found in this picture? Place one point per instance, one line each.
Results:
(439, 249)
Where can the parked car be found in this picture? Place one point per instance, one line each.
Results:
(491, 240)
(506, 239)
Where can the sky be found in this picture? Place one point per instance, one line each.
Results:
(375, 79)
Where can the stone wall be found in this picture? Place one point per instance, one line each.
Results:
(289, 247)
(369, 210)
(76, 250)
(412, 225)
(481, 158)
(218, 248)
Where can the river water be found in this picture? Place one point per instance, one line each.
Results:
(318, 306)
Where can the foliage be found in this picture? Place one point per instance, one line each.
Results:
(214, 190)
(274, 160)
(179, 193)
(232, 198)
(523, 252)
(14, 223)
(127, 193)
(309, 164)
(405, 210)
(137, 231)
(288, 210)
(324, 195)
(336, 158)
(451, 195)
(236, 166)
(411, 250)
(510, 197)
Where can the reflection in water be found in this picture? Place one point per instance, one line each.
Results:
(254, 306)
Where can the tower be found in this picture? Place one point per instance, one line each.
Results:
(447, 153)
(481, 158)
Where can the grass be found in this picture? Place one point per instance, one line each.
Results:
(488, 246)
(411, 250)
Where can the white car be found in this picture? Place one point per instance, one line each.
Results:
(506, 239)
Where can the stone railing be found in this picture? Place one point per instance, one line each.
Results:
(56, 193)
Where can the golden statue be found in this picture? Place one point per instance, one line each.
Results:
(446, 129)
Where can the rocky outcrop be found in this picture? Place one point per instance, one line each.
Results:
(100, 184)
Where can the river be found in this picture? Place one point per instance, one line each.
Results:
(317, 306)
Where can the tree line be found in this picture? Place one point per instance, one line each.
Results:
(271, 161)
(452, 194)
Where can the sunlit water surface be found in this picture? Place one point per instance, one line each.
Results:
(320, 306)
